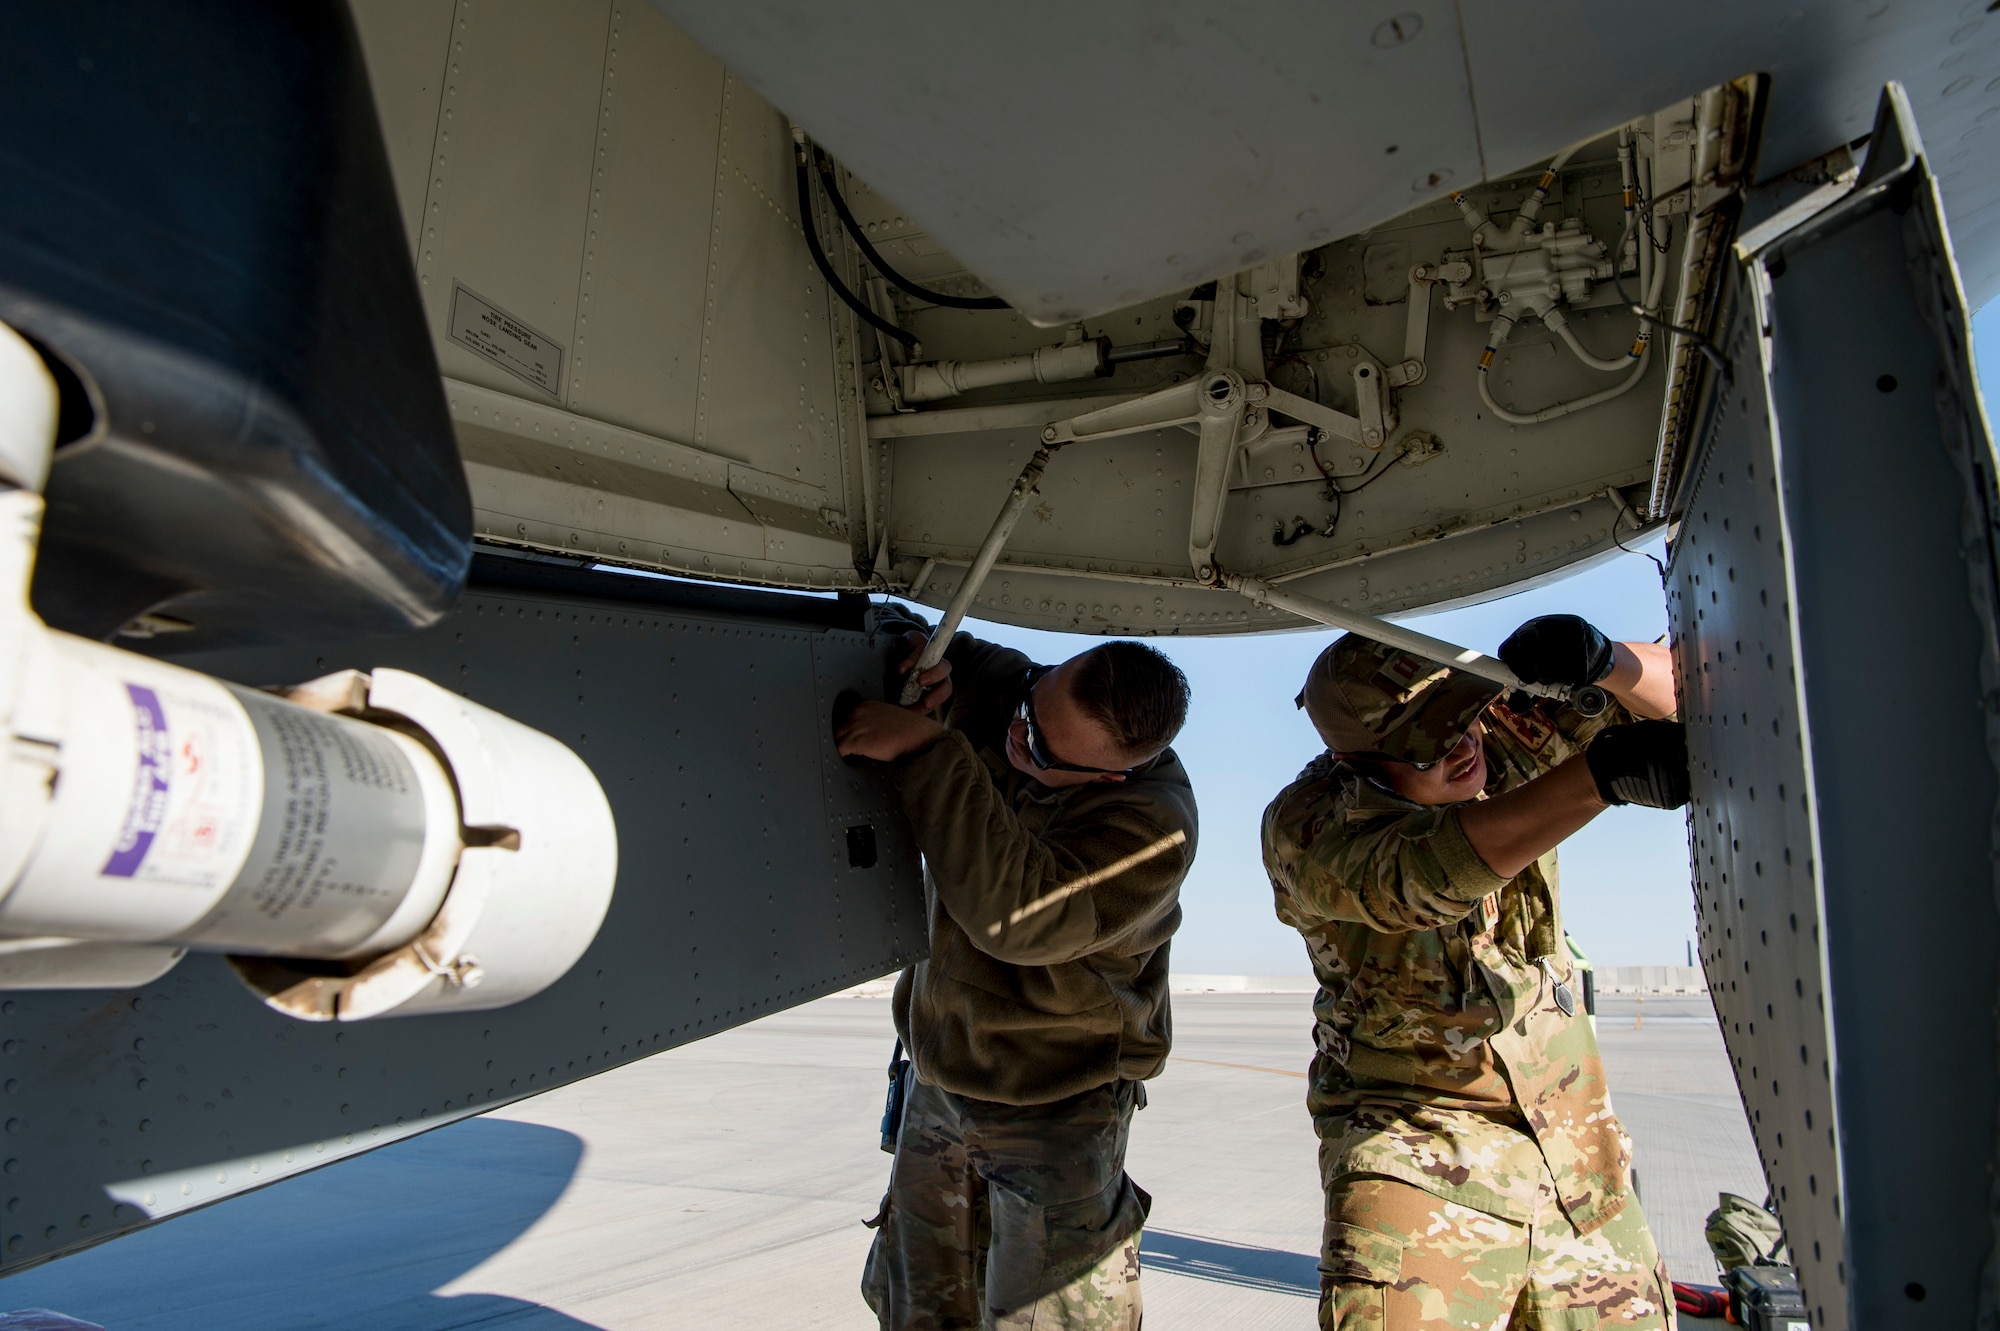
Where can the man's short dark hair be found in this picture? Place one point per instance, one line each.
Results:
(1134, 692)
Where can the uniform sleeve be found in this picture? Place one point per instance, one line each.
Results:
(1396, 871)
(1037, 900)
(1522, 745)
(981, 669)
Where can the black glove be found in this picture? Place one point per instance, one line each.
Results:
(1645, 762)
(1557, 649)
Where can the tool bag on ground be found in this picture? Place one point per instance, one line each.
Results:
(1742, 1233)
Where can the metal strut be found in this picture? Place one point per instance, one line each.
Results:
(1588, 699)
(1229, 405)
(982, 564)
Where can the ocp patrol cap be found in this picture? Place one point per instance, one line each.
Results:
(1365, 697)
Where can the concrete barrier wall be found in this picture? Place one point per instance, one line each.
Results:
(1651, 980)
(1243, 984)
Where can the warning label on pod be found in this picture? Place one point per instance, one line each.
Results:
(338, 844)
(194, 799)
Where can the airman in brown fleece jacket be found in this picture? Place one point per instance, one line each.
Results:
(1056, 827)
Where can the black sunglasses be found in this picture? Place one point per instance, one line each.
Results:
(1403, 762)
(1421, 767)
(1038, 747)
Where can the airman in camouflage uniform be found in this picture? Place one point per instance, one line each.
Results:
(1475, 1174)
(1056, 827)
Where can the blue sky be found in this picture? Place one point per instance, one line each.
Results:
(1624, 878)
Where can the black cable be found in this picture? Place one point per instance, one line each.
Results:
(1643, 553)
(881, 264)
(1357, 489)
(1696, 338)
(1618, 278)
(852, 301)
(1332, 492)
(1333, 479)
(1300, 529)
(1646, 206)
(1615, 519)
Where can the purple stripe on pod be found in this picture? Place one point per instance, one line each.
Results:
(147, 808)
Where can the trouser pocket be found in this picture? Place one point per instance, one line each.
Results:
(1356, 1267)
(1354, 1252)
(1352, 1305)
(1037, 1250)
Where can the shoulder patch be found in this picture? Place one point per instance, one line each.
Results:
(1530, 730)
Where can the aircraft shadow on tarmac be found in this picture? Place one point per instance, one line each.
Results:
(1239, 1264)
(363, 1244)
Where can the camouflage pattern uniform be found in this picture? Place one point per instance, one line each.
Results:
(1042, 1006)
(1475, 1173)
(1010, 1216)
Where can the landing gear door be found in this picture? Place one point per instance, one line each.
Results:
(1836, 619)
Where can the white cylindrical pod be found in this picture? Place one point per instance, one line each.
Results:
(355, 846)
(189, 811)
(534, 880)
(72, 963)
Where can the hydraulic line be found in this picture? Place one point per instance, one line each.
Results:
(881, 264)
(1531, 207)
(1476, 219)
(1630, 183)
(1559, 322)
(1502, 327)
(852, 301)
(1652, 277)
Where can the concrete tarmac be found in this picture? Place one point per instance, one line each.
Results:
(723, 1185)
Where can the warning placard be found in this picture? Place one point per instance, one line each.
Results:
(483, 328)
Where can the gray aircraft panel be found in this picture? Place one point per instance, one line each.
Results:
(1827, 61)
(741, 890)
(1834, 604)
(1084, 158)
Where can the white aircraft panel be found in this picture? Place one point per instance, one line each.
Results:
(407, 46)
(1827, 63)
(1084, 158)
(650, 208)
(510, 166)
(643, 362)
